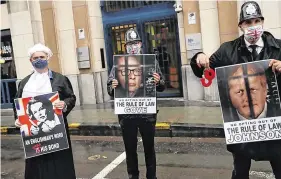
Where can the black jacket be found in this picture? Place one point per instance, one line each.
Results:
(53, 165)
(59, 83)
(235, 52)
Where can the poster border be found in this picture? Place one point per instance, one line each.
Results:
(55, 92)
(156, 62)
(222, 114)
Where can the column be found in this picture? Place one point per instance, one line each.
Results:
(239, 4)
(22, 36)
(181, 34)
(36, 21)
(5, 17)
(210, 39)
(271, 10)
(50, 36)
(227, 11)
(192, 88)
(97, 46)
(63, 17)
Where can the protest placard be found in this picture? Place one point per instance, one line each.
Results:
(136, 90)
(250, 102)
(43, 129)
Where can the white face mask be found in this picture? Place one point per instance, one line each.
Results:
(134, 48)
(253, 34)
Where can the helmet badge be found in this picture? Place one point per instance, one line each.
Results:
(251, 9)
(133, 35)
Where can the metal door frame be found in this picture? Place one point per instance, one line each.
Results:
(140, 24)
(142, 32)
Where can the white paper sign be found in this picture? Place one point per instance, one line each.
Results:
(191, 18)
(81, 33)
(253, 130)
(193, 41)
(135, 105)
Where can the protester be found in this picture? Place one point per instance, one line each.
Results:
(255, 44)
(130, 123)
(57, 165)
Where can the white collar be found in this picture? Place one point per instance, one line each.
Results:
(37, 73)
(259, 43)
(38, 83)
(262, 115)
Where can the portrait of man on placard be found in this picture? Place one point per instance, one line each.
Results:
(134, 74)
(248, 91)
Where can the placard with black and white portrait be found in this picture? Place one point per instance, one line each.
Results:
(134, 73)
(248, 91)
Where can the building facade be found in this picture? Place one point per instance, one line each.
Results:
(84, 36)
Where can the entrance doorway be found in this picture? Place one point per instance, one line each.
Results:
(159, 37)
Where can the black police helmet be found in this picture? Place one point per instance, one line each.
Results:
(132, 36)
(250, 10)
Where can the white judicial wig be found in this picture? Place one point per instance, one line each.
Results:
(40, 48)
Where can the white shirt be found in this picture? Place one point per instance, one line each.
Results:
(262, 115)
(38, 84)
(259, 44)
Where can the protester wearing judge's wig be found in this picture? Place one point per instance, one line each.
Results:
(42, 81)
(39, 57)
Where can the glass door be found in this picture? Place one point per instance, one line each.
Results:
(161, 39)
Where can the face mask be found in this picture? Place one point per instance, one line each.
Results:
(40, 63)
(253, 34)
(133, 48)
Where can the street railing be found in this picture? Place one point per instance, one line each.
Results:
(8, 92)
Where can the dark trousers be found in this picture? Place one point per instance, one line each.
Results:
(242, 167)
(129, 132)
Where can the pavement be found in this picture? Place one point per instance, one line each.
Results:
(102, 157)
(176, 118)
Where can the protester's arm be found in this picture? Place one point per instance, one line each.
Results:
(215, 61)
(160, 86)
(111, 77)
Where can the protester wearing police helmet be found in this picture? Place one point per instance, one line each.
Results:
(131, 123)
(133, 42)
(255, 44)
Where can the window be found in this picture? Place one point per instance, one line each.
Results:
(118, 37)
(113, 6)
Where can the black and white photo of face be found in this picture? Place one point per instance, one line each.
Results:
(39, 112)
